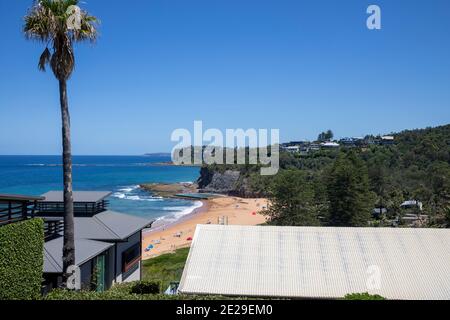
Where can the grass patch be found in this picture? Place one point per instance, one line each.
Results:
(165, 268)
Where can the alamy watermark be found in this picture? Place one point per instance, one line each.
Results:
(373, 282)
(235, 147)
(74, 17)
(374, 20)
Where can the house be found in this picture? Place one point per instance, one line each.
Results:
(387, 140)
(329, 145)
(412, 204)
(314, 147)
(292, 149)
(295, 146)
(353, 142)
(347, 142)
(318, 262)
(379, 212)
(108, 244)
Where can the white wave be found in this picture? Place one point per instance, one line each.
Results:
(179, 212)
(119, 195)
(124, 196)
(129, 188)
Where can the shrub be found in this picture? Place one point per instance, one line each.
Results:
(363, 296)
(124, 291)
(146, 287)
(21, 260)
(65, 295)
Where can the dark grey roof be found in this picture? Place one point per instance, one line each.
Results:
(16, 197)
(78, 196)
(110, 226)
(84, 251)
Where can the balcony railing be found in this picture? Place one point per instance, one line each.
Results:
(16, 208)
(79, 208)
(53, 228)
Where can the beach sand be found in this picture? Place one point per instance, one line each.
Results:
(168, 238)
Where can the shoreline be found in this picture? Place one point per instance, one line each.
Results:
(167, 238)
(159, 224)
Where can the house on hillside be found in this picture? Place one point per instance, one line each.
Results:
(292, 149)
(112, 241)
(353, 142)
(314, 147)
(412, 214)
(412, 204)
(108, 244)
(387, 140)
(379, 212)
(347, 142)
(329, 145)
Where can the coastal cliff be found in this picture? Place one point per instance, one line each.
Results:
(230, 182)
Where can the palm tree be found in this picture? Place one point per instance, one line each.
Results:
(60, 23)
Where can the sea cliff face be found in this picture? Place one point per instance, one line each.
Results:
(229, 182)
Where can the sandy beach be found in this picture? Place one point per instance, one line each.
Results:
(237, 211)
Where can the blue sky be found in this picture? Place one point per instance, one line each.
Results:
(300, 66)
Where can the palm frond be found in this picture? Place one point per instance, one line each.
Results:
(44, 59)
(47, 21)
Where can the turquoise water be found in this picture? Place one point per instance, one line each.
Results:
(35, 175)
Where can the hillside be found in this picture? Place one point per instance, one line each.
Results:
(416, 166)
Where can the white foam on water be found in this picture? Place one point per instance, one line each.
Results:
(178, 212)
(128, 193)
(124, 196)
(129, 188)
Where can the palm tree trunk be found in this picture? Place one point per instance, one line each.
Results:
(69, 240)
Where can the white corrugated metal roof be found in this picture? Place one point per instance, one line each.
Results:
(318, 262)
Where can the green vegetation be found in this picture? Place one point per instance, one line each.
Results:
(146, 287)
(325, 136)
(21, 260)
(292, 200)
(350, 201)
(166, 268)
(363, 296)
(347, 183)
(121, 292)
(158, 273)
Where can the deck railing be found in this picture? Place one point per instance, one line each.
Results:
(16, 211)
(79, 208)
(53, 228)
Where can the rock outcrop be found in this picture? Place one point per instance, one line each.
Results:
(229, 182)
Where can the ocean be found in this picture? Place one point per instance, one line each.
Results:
(122, 175)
